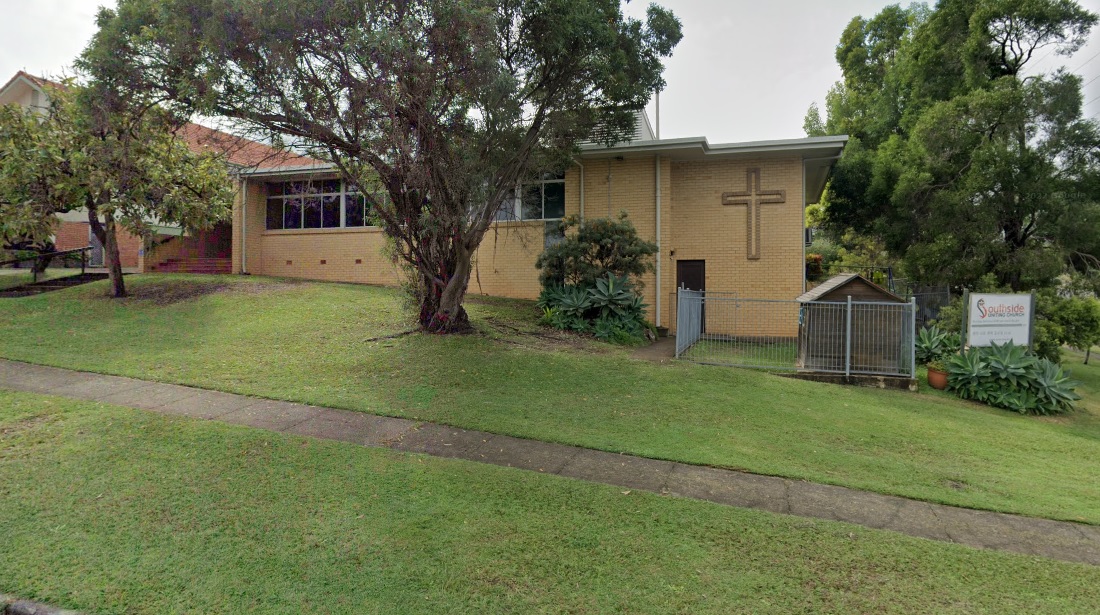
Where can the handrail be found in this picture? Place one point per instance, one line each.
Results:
(51, 255)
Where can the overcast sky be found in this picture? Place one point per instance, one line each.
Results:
(745, 71)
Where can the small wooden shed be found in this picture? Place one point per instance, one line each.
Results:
(881, 328)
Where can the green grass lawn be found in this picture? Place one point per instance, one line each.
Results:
(112, 510)
(781, 355)
(319, 343)
(10, 278)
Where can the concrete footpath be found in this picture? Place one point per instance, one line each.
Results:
(988, 530)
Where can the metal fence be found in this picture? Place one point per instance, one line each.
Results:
(930, 300)
(853, 337)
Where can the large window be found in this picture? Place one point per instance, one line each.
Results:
(315, 204)
(540, 200)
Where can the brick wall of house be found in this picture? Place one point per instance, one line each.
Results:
(73, 235)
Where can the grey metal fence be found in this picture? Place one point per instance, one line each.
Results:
(853, 337)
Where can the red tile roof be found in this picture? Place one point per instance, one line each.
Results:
(238, 150)
(241, 151)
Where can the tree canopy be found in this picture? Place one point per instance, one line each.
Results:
(443, 104)
(960, 160)
(124, 166)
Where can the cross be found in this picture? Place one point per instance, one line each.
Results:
(752, 198)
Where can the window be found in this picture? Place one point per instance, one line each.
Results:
(539, 200)
(316, 204)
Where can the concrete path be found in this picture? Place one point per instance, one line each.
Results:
(1055, 539)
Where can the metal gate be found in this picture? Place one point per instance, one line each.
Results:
(853, 337)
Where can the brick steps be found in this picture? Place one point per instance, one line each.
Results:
(195, 265)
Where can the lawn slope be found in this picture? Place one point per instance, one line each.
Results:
(329, 344)
(111, 510)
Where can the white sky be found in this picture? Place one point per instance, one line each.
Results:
(745, 71)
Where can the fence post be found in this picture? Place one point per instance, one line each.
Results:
(848, 341)
(913, 338)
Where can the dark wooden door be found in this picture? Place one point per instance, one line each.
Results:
(692, 275)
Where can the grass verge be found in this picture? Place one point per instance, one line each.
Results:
(327, 344)
(112, 510)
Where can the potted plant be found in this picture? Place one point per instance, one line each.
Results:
(937, 375)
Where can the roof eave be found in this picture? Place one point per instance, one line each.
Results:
(288, 170)
(699, 146)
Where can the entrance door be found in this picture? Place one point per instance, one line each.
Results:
(96, 258)
(692, 275)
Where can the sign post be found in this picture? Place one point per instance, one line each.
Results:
(999, 319)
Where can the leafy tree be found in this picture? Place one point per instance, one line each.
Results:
(447, 104)
(598, 247)
(123, 167)
(1078, 322)
(958, 162)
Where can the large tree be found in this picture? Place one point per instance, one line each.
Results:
(959, 161)
(444, 104)
(123, 165)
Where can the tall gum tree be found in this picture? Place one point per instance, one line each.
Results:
(444, 105)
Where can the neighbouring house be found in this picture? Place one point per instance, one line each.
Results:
(726, 217)
(168, 248)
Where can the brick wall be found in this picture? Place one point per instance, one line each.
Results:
(73, 235)
(705, 229)
(695, 226)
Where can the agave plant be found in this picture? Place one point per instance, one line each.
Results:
(604, 328)
(934, 343)
(1053, 388)
(968, 374)
(550, 297)
(612, 295)
(574, 301)
(1009, 363)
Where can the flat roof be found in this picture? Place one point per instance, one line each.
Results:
(698, 147)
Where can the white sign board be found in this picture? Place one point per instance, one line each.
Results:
(998, 319)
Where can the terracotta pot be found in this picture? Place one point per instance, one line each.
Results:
(937, 379)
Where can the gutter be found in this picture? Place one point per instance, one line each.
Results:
(700, 146)
(313, 168)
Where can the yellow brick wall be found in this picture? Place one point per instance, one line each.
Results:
(704, 229)
(695, 226)
(504, 266)
(613, 186)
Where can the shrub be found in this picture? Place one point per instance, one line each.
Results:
(611, 309)
(814, 268)
(933, 343)
(599, 247)
(1008, 376)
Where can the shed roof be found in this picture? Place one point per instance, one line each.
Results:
(839, 281)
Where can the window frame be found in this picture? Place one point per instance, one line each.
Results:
(515, 212)
(281, 192)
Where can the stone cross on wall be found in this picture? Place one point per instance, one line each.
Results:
(752, 198)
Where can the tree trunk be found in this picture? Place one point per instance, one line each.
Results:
(441, 309)
(105, 233)
(1088, 351)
